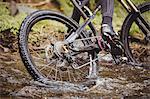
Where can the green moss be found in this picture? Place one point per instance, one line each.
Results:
(11, 23)
(8, 22)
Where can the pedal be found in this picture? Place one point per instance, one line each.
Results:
(117, 48)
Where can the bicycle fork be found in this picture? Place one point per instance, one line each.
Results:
(141, 23)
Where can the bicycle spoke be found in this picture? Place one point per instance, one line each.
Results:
(138, 40)
(60, 74)
(49, 74)
(146, 24)
(56, 73)
(74, 78)
(46, 66)
(69, 78)
(51, 58)
(143, 25)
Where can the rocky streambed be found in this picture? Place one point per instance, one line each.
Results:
(115, 82)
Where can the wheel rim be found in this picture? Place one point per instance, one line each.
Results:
(41, 40)
(139, 46)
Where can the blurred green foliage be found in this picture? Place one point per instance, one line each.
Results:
(119, 12)
(65, 6)
(11, 23)
(8, 22)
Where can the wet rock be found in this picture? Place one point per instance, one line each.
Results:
(147, 82)
(17, 71)
(41, 90)
(122, 78)
(135, 86)
(107, 57)
(117, 87)
(37, 89)
(115, 81)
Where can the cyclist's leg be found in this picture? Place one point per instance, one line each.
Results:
(107, 15)
(92, 76)
(76, 13)
(107, 31)
(107, 11)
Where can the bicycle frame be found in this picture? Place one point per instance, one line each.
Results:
(127, 4)
(130, 7)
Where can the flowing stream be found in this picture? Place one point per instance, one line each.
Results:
(115, 81)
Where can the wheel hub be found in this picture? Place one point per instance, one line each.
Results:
(58, 48)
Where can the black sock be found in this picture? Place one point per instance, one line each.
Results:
(107, 20)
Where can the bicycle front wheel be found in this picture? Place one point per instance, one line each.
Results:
(136, 35)
(40, 44)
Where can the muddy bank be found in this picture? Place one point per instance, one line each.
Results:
(115, 81)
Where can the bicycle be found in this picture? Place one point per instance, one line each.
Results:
(62, 50)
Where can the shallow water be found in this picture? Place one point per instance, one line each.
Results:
(115, 81)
